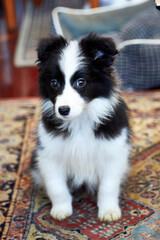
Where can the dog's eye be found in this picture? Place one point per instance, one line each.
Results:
(54, 83)
(80, 83)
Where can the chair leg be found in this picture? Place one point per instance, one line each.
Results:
(94, 3)
(37, 2)
(10, 14)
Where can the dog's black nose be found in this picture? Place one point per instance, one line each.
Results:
(64, 110)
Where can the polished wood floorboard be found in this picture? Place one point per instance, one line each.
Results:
(14, 81)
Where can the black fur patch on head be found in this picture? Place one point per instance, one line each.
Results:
(112, 126)
(49, 46)
(49, 51)
(99, 53)
(99, 50)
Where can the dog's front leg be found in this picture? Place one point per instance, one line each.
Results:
(58, 192)
(109, 188)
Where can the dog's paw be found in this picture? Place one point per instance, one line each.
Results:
(61, 211)
(110, 215)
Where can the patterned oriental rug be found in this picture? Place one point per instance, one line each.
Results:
(24, 209)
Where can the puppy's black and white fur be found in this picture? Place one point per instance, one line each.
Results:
(83, 134)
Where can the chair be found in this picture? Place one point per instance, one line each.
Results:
(136, 33)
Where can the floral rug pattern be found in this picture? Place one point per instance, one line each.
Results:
(24, 209)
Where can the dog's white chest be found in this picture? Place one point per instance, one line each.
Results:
(77, 154)
(81, 155)
(82, 159)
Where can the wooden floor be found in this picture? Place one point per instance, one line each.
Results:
(14, 82)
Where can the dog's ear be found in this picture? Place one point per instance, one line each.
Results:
(99, 48)
(50, 46)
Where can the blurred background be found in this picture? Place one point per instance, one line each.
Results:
(133, 24)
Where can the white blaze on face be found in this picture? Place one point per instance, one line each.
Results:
(69, 63)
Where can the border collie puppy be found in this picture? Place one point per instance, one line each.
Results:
(83, 135)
